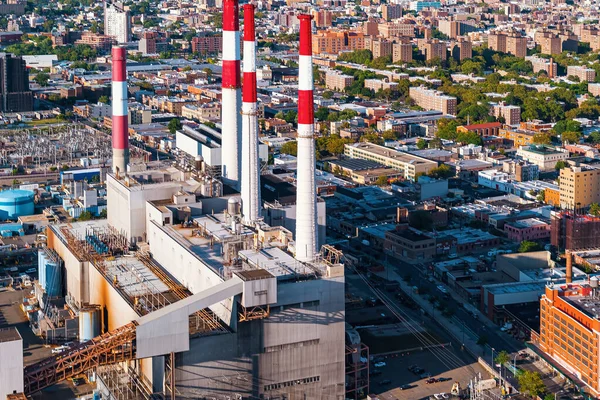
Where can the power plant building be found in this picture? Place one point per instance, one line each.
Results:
(189, 291)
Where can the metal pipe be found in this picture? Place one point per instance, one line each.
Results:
(120, 134)
(250, 172)
(306, 198)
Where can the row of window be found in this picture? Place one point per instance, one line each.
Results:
(276, 386)
(304, 343)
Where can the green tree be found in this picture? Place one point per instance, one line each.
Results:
(328, 94)
(593, 137)
(469, 138)
(104, 99)
(42, 78)
(290, 148)
(435, 143)
(382, 180)
(560, 165)
(174, 125)
(502, 358)
(528, 246)
(567, 125)
(541, 197)
(441, 172)
(542, 138)
(85, 216)
(595, 209)
(570, 136)
(446, 129)
(530, 382)
(322, 113)
(421, 144)
(103, 214)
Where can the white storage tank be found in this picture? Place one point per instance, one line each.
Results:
(89, 322)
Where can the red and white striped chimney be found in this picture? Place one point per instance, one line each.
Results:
(250, 172)
(306, 197)
(231, 96)
(120, 134)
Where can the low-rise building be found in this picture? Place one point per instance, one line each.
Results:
(408, 164)
(545, 157)
(527, 229)
(519, 137)
(494, 179)
(488, 129)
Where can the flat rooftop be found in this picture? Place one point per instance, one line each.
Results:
(391, 153)
(541, 149)
(588, 304)
(134, 278)
(9, 335)
(277, 262)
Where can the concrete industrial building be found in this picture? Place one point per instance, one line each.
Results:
(190, 294)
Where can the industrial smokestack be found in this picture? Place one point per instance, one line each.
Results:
(231, 96)
(569, 272)
(306, 197)
(120, 134)
(250, 163)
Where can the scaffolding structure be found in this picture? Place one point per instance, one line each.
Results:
(357, 371)
(123, 383)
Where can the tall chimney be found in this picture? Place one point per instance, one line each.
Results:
(569, 272)
(250, 163)
(306, 198)
(120, 134)
(231, 96)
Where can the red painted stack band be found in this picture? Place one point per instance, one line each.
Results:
(120, 134)
(231, 95)
(249, 87)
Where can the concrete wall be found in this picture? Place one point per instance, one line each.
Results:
(127, 211)
(286, 217)
(187, 268)
(303, 338)
(116, 311)
(11, 367)
(76, 271)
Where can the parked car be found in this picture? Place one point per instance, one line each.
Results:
(430, 381)
(425, 375)
(407, 386)
(442, 379)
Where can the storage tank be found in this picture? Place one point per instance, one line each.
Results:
(15, 203)
(89, 322)
(50, 272)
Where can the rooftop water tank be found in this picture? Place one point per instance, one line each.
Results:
(15, 203)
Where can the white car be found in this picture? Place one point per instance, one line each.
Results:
(59, 349)
(379, 364)
(440, 396)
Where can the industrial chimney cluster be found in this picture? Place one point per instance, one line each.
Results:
(239, 125)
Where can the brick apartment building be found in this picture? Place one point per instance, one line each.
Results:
(433, 100)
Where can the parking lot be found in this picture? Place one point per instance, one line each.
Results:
(396, 371)
(12, 316)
